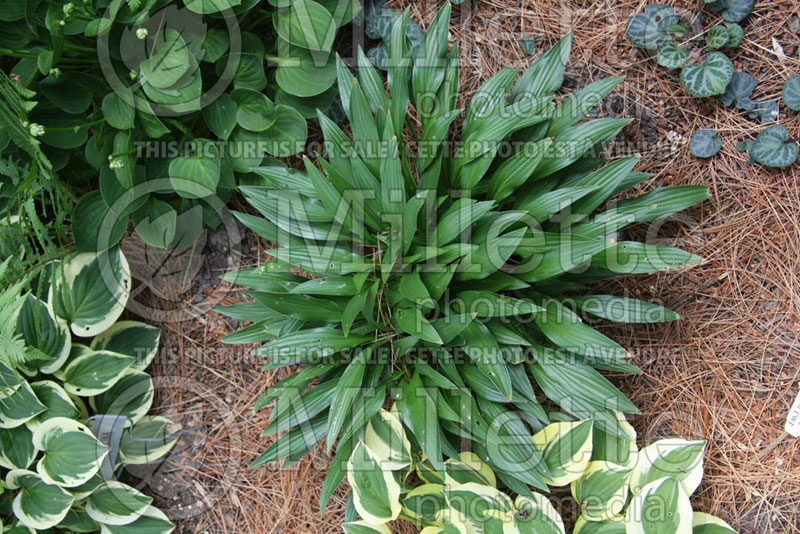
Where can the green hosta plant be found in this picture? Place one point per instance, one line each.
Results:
(649, 493)
(441, 273)
(153, 106)
(59, 396)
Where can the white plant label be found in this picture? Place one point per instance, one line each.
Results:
(793, 420)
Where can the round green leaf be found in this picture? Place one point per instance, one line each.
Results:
(91, 290)
(288, 135)
(170, 60)
(115, 503)
(649, 28)
(196, 175)
(68, 91)
(130, 338)
(791, 93)
(670, 55)
(72, 455)
(254, 111)
(95, 372)
(304, 72)
(732, 10)
(155, 222)
(705, 143)
(117, 112)
(38, 505)
(220, 116)
(306, 24)
(307, 107)
(710, 78)
(717, 37)
(735, 35)
(773, 148)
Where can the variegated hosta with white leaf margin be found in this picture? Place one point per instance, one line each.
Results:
(482, 508)
(602, 490)
(423, 503)
(536, 514)
(152, 521)
(676, 458)
(38, 504)
(90, 290)
(147, 441)
(439, 276)
(71, 453)
(376, 493)
(620, 450)
(567, 450)
(387, 439)
(615, 525)
(703, 523)
(115, 503)
(131, 338)
(41, 330)
(364, 527)
(468, 467)
(661, 507)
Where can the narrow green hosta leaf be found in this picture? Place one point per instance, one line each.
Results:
(387, 441)
(19, 407)
(347, 389)
(571, 145)
(536, 514)
(517, 170)
(41, 330)
(196, 175)
(295, 443)
(152, 521)
(676, 458)
(579, 103)
(629, 257)
(154, 440)
(717, 36)
(612, 526)
(649, 28)
(624, 309)
(130, 338)
(703, 523)
(671, 56)
(376, 494)
(567, 449)
(115, 503)
(38, 505)
(254, 111)
(602, 490)
(546, 75)
(491, 95)
(705, 143)
(490, 304)
(413, 322)
(220, 116)
(417, 408)
(96, 371)
(709, 78)
(773, 148)
(117, 112)
(732, 10)
(72, 455)
(735, 35)
(306, 24)
(615, 448)
(156, 222)
(660, 508)
(791, 93)
(16, 447)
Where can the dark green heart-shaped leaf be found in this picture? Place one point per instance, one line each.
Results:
(735, 35)
(94, 226)
(155, 222)
(304, 72)
(117, 112)
(169, 62)
(773, 148)
(254, 111)
(739, 91)
(717, 37)
(670, 55)
(306, 24)
(732, 10)
(287, 136)
(196, 175)
(220, 116)
(705, 143)
(710, 78)
(765, 111)
(791, 93)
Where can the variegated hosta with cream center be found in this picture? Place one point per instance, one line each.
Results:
(444, 273)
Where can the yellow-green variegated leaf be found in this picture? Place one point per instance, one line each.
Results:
(566, 448)
(19, 407)
(537, 515)
(387, 440)
(661, 507)
(481, 507)
(58, 402)
(615, 525)
(155, 430)
(38, 505)
(676, 458)
(115, 503)
(703, 523)
(469, 468)
(602, 491)
(90, 291)
(364, 527)
(451, 523)
(152, 521)
(131, 396)
(72, 455)
(613, 448)
(427, 472)
(130, 338)
(95, 372)
(424, 502)
(376, 494)
(16, 447)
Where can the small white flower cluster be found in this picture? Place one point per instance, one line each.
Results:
(55, 72)
(141, 33)
(115, 163)
(35, 129)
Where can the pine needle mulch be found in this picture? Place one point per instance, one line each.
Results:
(728, 372)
